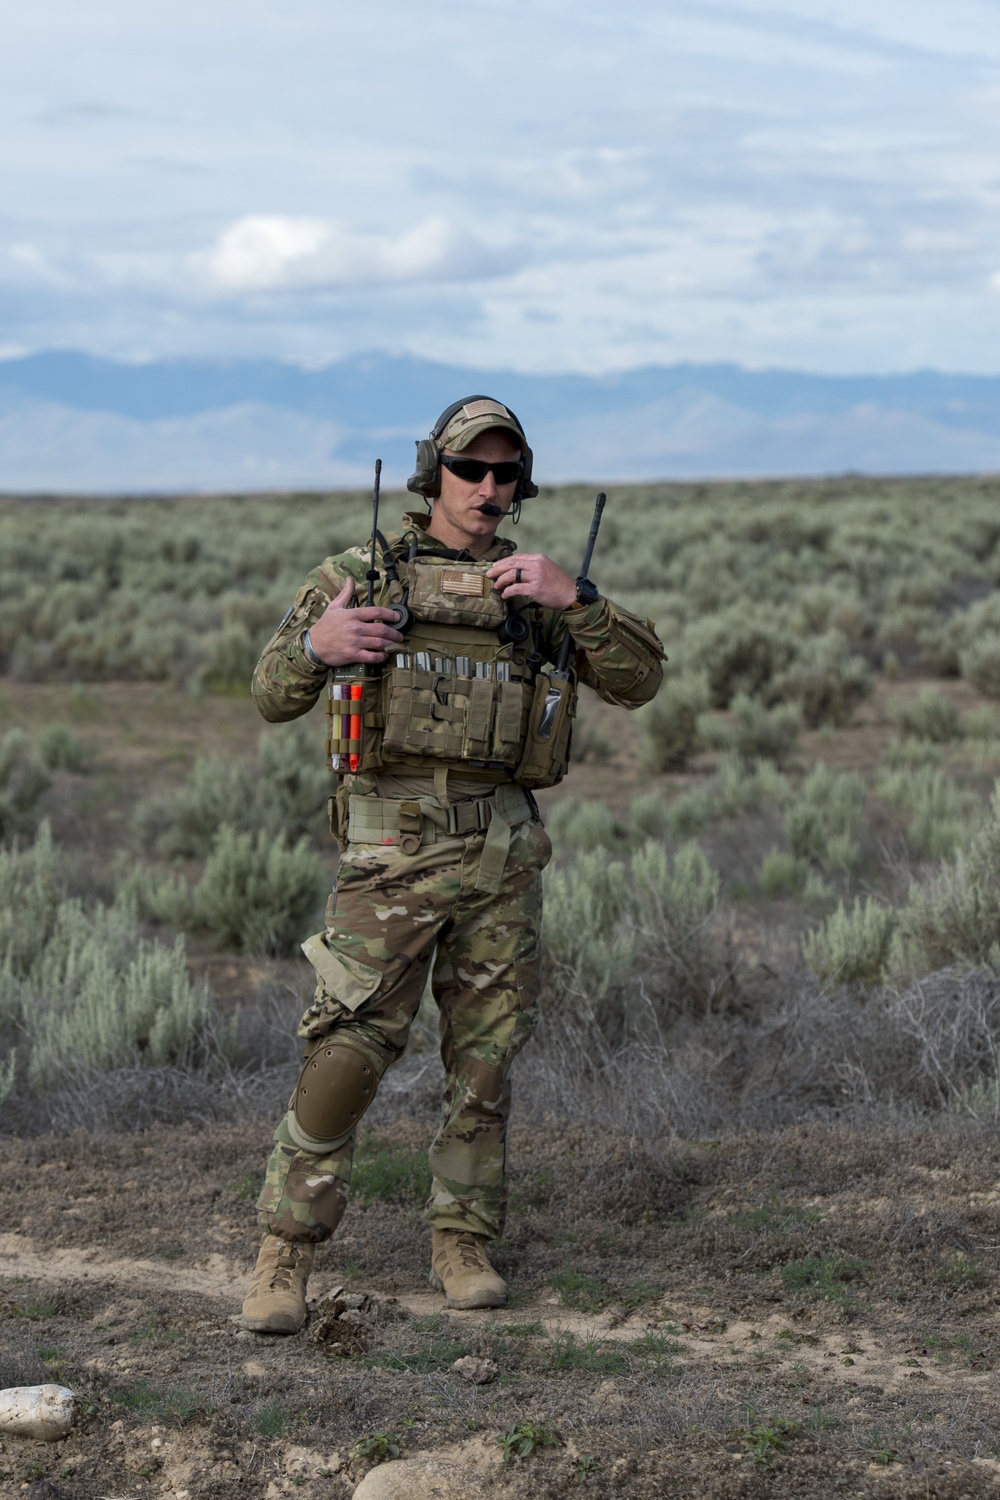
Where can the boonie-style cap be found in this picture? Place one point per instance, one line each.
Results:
(476, 417)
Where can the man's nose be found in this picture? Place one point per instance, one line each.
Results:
(488, 487)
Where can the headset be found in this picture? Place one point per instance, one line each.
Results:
(426, 477)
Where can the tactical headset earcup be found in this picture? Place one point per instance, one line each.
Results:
(526, 488)
(426, 477)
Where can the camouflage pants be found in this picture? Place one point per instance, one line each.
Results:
(395, 912)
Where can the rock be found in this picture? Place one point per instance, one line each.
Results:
(479, 1371)
(38, 1411)
(425, 1479)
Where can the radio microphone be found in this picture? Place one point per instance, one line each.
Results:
(487, 509)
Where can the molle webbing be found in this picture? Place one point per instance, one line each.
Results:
(383, 820)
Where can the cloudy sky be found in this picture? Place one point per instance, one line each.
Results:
(513, 184)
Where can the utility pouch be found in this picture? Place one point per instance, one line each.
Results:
(345, 715)
(338, 807)
(372, 725)
(550, 724)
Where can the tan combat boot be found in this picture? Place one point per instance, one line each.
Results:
(460, 1269)
(276, 1301)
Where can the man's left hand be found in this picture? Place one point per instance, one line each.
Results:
(532, 575)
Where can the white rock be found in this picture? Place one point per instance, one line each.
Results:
(479, 1371)
(37, 1411)
(424, 1479)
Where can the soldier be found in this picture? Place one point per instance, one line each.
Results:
(442, 848)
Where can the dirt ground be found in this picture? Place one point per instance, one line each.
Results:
(805, 1313)
(809, 1312)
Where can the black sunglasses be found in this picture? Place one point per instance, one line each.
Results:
(474, 470)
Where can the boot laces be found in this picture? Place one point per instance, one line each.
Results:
(283, 1272)
(471, 1252)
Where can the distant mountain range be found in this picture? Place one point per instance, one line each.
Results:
(72, 422)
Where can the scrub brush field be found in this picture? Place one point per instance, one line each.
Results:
(755, 1171)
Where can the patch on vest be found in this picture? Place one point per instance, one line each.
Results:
(453, 581)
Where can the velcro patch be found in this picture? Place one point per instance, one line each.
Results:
(454, 581)
(484, 408)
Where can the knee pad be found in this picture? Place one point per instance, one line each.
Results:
(336, 1086)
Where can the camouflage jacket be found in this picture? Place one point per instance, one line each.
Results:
(617, 654)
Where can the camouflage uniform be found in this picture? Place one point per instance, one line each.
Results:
(393, 913)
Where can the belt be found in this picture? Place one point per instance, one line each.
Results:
(384, 820)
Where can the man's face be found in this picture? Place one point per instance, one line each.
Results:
(457, 519)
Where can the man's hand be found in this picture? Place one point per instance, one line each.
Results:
(341, 636)
(533, 576)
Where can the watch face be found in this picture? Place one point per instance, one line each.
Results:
(586, 592)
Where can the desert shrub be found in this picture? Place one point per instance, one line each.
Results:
(690, 814)
(23, 780)
(649, 816)
(980, 723)
(579, 823)
(258, 893)
(158, 897)
(59, 749)
(851, 947)
(587, 946)
(590, 743)
(737, 652)
(81, 990)
(937, 810)
(741, 786)
(674, 898)
(949, 1023)
(979, 664)
(823, 606)
(670, 723)
(230, 656)
(901, 754)
(184, 824)
(284, 793)
(781, 873)
(825, 680)
(29, 882)
(823, 824)
(738, 787)
(756, 731)
(929, 716)
(112, 998)
(952, 913)
(626, 935)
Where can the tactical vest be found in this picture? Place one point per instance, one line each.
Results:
(455, 695)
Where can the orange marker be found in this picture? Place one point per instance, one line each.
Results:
(357, 691)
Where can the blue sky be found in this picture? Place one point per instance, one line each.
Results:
(512, 184)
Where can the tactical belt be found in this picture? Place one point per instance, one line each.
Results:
(383, 820)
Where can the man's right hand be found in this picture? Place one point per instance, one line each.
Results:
(341, 635)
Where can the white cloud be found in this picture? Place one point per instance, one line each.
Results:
(274, 252)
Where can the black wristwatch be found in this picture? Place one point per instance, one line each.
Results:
(586, 592)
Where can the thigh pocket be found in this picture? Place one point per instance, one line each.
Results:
(344, 977)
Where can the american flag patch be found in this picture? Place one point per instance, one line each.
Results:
(453, 581)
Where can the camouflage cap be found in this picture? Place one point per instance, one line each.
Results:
(477, 416)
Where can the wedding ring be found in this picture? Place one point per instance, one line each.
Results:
(517, 576)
